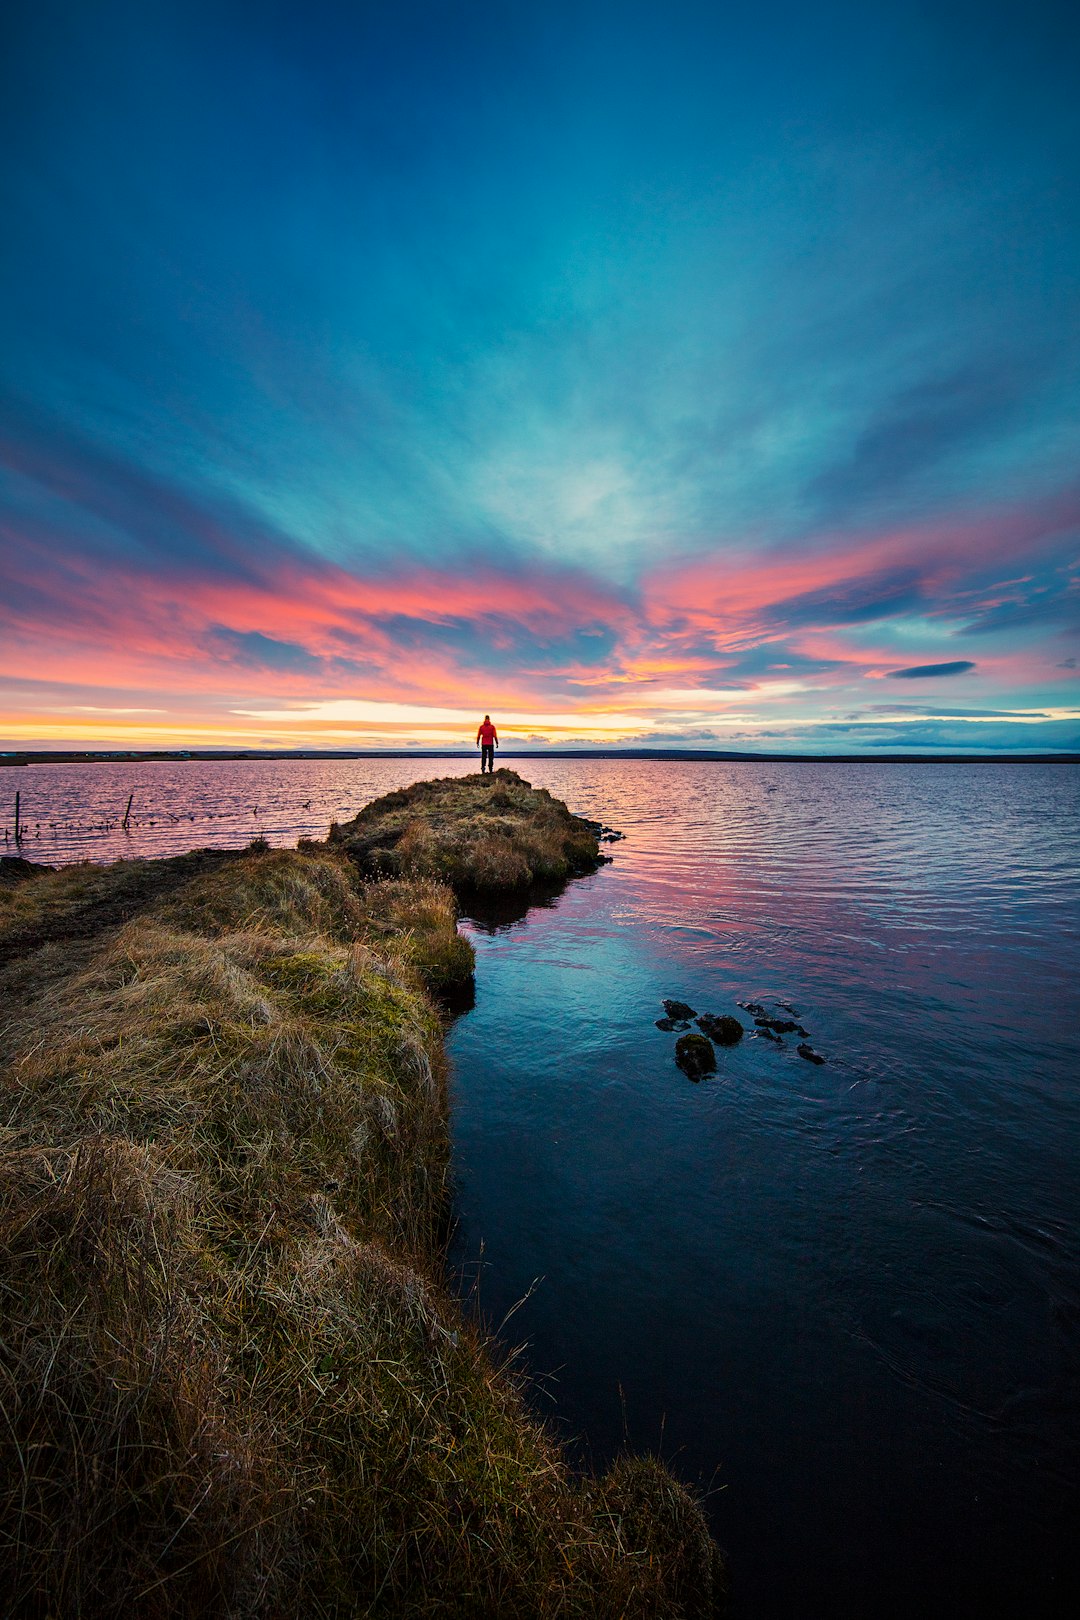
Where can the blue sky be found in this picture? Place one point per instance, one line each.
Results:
(640, 373)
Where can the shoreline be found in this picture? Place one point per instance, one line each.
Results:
(238, 1371)
(23, 758)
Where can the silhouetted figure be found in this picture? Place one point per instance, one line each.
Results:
(488, 738)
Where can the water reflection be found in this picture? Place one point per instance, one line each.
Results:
(850, 1289)
(494, 913)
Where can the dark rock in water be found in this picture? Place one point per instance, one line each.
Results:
(768, 1035)
(808, 1053)
(725, 1031)
(608, 835)
(788, 1008)
(695, 1056)
(782, 1026)
(678, 1009)
(754, 1008)
(669, 1024)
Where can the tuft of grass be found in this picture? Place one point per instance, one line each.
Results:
(232, 1378)
(132, 1480)
(663, 1538)
(477, 833)
(274, 891)
(418, 919)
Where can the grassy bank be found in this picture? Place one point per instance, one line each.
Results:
(232, 1378)
(485, 834)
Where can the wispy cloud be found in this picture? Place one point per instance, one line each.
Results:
(928, 672)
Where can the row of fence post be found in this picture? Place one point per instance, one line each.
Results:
(18, 816)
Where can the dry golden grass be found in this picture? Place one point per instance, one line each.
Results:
(232, 1381)
(485, 833)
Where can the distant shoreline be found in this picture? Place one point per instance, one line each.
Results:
(150, 756)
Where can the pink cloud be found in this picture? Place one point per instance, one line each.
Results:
(442, 637)
(734, 591)
(128, 625)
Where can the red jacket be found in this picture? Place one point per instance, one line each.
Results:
(487, 734)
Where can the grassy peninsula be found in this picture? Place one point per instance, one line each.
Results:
(233, 1380)
(479, 834)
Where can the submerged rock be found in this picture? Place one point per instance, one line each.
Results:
(782, 1026)
(695, 1056)
(678, 1009)
(668, 1024)
(605, 834)
(808, 1053)
(767, 1010)
(767, 1034)
(724, 1030)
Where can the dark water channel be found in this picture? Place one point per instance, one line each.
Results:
(843, 1299)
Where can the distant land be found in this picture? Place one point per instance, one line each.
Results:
(148, 756)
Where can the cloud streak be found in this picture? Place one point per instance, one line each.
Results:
(929, 672)
(410, 651)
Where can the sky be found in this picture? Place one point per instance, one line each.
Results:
(663, 375)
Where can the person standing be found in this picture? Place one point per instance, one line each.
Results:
(488, 738)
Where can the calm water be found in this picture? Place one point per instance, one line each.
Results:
(844, 1298)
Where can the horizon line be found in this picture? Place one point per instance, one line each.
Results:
(22, 757)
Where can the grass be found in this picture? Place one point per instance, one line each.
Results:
(76, 902)
(232, 1380)
(480, 834)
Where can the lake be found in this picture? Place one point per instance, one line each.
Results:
(842, 1299)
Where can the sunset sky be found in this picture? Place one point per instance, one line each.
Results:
(646, 374)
